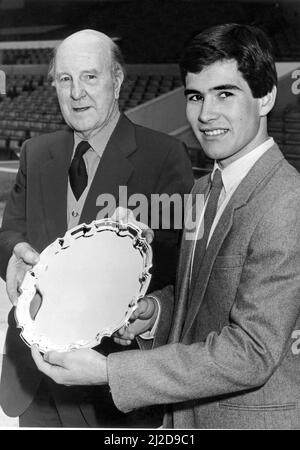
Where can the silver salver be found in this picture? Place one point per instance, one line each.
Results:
(89, 283)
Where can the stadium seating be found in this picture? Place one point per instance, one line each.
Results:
(287, 43)
(30, 107)
(285, 129)
(27, 56)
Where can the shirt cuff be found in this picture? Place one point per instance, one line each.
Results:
(151, 333)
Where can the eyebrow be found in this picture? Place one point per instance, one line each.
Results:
(92, 70)
(222, 87)
(63, 72)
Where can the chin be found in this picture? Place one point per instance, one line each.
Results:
(213, 153)
(217, 150)
(82, 127)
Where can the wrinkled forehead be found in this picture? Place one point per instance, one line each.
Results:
(83, 52)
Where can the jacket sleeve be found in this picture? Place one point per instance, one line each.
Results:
(248, 350)
(13, 228)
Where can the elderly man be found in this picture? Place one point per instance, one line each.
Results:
(231, 359)
(61, 176)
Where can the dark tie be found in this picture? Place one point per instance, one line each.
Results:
(77, 172)
(209, 215)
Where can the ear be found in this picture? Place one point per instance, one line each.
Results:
(267, 102)
(118, 78)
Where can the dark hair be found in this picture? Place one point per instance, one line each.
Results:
(246, 44)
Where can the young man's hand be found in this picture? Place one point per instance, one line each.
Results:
(141, 320)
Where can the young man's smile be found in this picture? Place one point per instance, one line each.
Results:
(223, 113)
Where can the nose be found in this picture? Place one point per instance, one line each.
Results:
(77, 90)
(208, 111)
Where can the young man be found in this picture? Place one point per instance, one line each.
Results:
(48, 198)
(229, 326)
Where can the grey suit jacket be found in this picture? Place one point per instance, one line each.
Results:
(232, 359)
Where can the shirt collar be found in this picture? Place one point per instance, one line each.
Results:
(100, 140)
(237, 170)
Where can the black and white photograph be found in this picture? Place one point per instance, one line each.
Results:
(149, 217)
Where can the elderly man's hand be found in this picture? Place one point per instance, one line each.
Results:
(141, 320)
(77, 367)
(124, 215)
(24, 257)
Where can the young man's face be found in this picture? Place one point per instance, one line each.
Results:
(225, 117)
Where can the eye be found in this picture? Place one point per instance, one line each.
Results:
(90, 77)
(195, 98)
(225, 94)
(64, 79)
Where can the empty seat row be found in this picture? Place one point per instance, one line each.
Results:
(27, 56)
(31, 108)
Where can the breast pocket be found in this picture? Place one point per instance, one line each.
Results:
(222, 288)
(228, 262)
(225, 275)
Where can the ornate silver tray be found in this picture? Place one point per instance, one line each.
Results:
(89, 282)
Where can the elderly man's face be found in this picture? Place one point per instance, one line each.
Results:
(87, 90)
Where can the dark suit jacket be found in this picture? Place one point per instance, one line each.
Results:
(233, 354)
(142, 159)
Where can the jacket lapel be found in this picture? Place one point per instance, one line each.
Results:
(114, 168)
(187, 245)
(262, 169)
(54, 182)
(183, 269)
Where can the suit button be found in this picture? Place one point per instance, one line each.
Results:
(75, 214)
